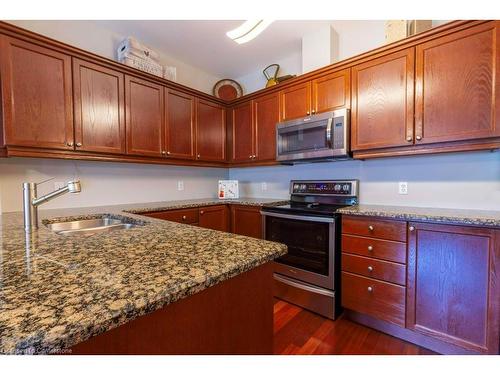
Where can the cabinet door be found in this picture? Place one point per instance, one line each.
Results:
(99, 102)
(179, 125)
(144, 117)
(214, 217)
(36, 95)
(454, 285)
(243, 134)
(382, 102)
(210, 131)
(266, 116)
(246, 220)
(455, 86)
(331, 92)
(296, 101)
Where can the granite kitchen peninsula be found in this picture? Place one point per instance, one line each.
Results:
(158, 287)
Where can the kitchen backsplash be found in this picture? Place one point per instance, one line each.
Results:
(462, 180)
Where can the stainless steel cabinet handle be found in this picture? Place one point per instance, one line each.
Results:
(168, 152)
(412, 228)
(198, 156)
(78, 144)
(370, 248)
(370, 227)
(313, 111)
(69, 144)
(164, 152)
(370, 268)
(418, 137)
(370, 289)
(308, 113)
(409, 139)
(184, 217)
(202, 212)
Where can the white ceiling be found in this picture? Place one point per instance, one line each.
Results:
(204, 44)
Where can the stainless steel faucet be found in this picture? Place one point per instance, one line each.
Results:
(31, 201)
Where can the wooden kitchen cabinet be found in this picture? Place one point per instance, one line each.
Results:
(242, 132)
(246, 220)
(456, 98)
(214, 217)
(331, 91)
(184, 216)
(179, 125)
(99, 105)
(36, 95)
(454, 285)
(144, 117)
(210, 131)
(382, 102)
(296, 101)
(266, 116)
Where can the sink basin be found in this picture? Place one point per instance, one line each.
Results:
(90, 226)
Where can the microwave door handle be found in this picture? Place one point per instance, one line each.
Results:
(329, 133)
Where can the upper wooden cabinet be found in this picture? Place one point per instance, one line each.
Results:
(210, 131)
(332, 91)
(144, 117)
(242, 132)
(453, 285)
(36, 95)
(266, 116)
(456, 78)
(296, 101)
(325, 93)
(382, 102)
(99, 104)
(180, 125)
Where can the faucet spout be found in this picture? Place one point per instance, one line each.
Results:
(31, 201)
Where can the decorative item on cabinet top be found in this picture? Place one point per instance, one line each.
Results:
(272, 78)
(227, 89)
(133, 53)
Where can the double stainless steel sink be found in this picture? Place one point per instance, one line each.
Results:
(91, 226)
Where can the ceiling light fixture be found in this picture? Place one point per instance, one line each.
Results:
(248, 30)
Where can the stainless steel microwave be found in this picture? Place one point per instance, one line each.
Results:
(320, 137)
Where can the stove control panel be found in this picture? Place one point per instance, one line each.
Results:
(324, 187)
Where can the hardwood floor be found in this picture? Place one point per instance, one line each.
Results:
(298, 331)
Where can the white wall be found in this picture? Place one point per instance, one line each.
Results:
(91, 37)
(464, 180)
(105, 183)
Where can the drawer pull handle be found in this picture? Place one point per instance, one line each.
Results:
(370, 289)
(370, 268)
(370, 227)
(184, 217)
(202, 212)
(370, 248)
(412, 228)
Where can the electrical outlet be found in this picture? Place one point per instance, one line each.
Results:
(58, 185)
(180, 185)
(403, 188)
(263, 186)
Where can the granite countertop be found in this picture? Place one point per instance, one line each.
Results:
(56, 291)
(437, 215)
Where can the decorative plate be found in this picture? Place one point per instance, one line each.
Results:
(227, 89)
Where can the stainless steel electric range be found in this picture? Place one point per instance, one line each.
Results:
(309, 274)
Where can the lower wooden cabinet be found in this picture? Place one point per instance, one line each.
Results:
(214, 217)
(454, 285)
(239, 219)
(246, 220)
(443, 292)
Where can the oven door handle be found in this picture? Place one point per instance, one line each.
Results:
(309, 288)
(300, 217)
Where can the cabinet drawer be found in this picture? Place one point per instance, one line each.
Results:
(373, 227)
(374, 248)
(379, 299)
(378, 269)
(187, 216)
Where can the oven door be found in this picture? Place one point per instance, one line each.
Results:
(311, 246)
